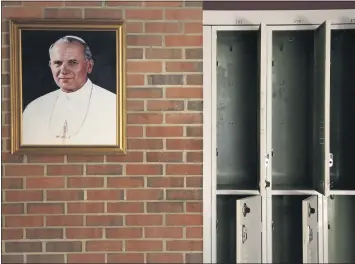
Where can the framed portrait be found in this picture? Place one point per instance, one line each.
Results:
(67, 84)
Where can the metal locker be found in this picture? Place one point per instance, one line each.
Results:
(248, 231)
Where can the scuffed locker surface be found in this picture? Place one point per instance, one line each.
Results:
(342, 109)
(237, 110)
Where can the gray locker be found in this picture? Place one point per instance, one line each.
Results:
(280, 102)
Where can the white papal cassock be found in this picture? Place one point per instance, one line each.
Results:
(84, 117)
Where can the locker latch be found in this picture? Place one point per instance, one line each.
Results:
(331, 160)
(267, 159)
(244, 234)
(311, 210)
(246, 210)
(310, 234)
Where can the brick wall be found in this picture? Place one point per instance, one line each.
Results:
(142, 207)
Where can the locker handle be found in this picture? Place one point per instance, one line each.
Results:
(246, 210)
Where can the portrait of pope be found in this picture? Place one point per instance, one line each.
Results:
(75, 110)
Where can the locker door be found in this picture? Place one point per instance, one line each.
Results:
(248, 231)
(321, 98)
(310, 220)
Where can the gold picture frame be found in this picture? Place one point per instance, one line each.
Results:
(30, 47)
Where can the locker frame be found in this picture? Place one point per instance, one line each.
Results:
(291, 18)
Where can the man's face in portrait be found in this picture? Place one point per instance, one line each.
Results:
(69, 65)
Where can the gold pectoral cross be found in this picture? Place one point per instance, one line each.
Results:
(64, 132)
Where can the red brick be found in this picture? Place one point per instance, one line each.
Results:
(144, 194)
(125, 182)
(183, 66)
(144, 118)
(194, 258)
(164, 156)
(104, 220)
(184, 220)
(45, 183)
(183, 14)
(23, 247)
(143, 66)
(64, 195)
(194, 157)
(125, 207)
(144, 92)
(11, 183)
(45, 208)
(134, 27)
(183, 118)
(86, 258)
(165, 207)
(145, 144)
(144, 169)
(64, 220)
(184, 195)
(23, 221)
(85, 207)
(105, 194)
(164, 131)
(125, 257)
(103, 13)
(161, 182)
(53, 170)
(83, 3)
(134, 79)
(63, 13)
(45, 258)
(104, 169)
(144, 245)
(137, 105)
(184, 144)
(183, 169)
(165, 105)
(185, 92)
(83, 233)
(194, 207)
(163, 3)
(184, 245)
(22, 12)
(11, 158)
(11, 234)
(24, 170)
(141, 40)
(194, 131)
(183, 41)
(193, 28)
(144, 14)
(163, 232)
(8, 209)
(85, 182)
(64, 246)
(44, 233)
(194, 232)
(134, 131)
(163, 53)
(45, 159)
(163, 27)
(13, 258)
(23, 196)
(165, 258)
(108, 245)
(85, 159)
(129, 157)
(124, 232)
(43, 3)
(194, 182)
(124, 3)
(144, 220)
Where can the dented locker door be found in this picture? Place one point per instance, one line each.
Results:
(310, 222)
(248, 231)
(321, 96)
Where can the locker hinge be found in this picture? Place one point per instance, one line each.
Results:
(267, 184)
(267, 159)
(217, 152)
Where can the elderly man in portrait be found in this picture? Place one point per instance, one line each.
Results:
(79, 112)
